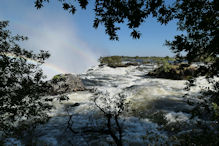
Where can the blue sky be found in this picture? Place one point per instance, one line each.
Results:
(72, 41)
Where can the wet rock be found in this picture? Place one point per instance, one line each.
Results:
(63, 98)
(65, 83)
(67, 106)
(76, 104)
(49, 99)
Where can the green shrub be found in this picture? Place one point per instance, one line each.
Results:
(111, 61)
(58, 77)
(176, 72)
(166, 66)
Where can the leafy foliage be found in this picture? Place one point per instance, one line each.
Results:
(68, 6)
(200, 20)
(21, 82)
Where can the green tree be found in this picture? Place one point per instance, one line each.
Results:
(21, 83)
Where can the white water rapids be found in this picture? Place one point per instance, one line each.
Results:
(145, 95)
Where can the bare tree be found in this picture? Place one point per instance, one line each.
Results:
(112, 108)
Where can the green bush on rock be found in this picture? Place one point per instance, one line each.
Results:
(57, 78)
(111, 61)
(175, 72)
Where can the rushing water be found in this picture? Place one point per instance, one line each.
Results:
(146, 96)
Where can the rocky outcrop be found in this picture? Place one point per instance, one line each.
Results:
(65, 83)
(120, 65)
(175, 72)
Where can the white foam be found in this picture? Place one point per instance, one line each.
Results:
(173, 117)
(139, 90)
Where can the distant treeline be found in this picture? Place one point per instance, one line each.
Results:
(123, 61)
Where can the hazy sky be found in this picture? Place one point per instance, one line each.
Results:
(72, 41)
